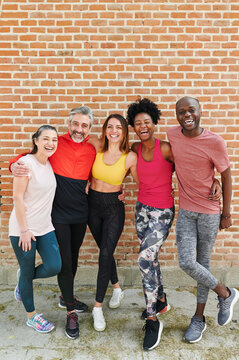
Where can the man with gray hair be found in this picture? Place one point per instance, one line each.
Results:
(71, 164)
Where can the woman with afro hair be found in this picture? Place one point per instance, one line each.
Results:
(154, 212)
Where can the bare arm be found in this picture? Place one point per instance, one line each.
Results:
(19, 188)
(95, 141)
(226, 221)
(130, 164)
(166, 151)
(135, 147)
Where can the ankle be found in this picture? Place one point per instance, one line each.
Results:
(31, 314)
(116, 286)
(98, 305)
(71, 312)
(199, 315)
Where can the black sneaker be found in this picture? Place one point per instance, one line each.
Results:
(80, 307)
(72, 326)
(153, 331)
(161, 308)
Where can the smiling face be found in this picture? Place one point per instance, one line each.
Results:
(144, 126)
(114, 131)
(188, 113)
(46, 143)
(79, 127)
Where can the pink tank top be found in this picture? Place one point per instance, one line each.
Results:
(155, 180)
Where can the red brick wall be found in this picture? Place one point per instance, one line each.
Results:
(59, 54)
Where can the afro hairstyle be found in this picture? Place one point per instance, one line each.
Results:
(143, 106)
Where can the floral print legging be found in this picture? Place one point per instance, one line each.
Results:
(152, 226)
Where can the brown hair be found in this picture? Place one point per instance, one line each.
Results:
(38, 133)
(124, 146)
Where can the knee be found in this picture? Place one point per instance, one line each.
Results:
(53, 268)
(187, 265)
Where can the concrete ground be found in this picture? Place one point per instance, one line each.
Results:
(123, 336)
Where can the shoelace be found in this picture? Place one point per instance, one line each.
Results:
(72, 320)
(222, 304)
(196, 324)
(41, 320)
(148, 326)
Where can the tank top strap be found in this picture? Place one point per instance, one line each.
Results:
(157, 150)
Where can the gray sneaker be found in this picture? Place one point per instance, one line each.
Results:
(226, 307)
(195, 330)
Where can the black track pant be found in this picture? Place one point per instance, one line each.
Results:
(106, 222)
(70, 238)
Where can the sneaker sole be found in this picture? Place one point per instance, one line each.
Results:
(99, 329)
(158, 340)
(72, 337)
(234, 301)
(118, 304)
(41, 331)
(78, 311)
(194, 341)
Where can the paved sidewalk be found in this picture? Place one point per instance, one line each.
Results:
(123, 336)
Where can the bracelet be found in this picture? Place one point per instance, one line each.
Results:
(226, 216)
(22, 232)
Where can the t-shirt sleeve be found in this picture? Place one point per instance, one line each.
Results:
(219, 155)
(12, 161)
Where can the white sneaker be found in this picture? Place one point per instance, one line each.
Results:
(116, 298)
(99, 320)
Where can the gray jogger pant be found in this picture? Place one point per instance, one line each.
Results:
(196, 234)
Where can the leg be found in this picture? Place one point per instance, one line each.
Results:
(65, 277)
(207, 228)
(26, 262)
(95, 222)
(77, 237)
(188, 242)
(106, 221)
(152, 228)
(48, 249)
(112, 228)
(187, 239)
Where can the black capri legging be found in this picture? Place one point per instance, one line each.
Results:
(106, 222)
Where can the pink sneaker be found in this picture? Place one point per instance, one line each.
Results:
(40, 324)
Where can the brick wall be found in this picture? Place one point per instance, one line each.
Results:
(59, 54)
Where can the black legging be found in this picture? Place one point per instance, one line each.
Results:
(70, 238)
(106, 222)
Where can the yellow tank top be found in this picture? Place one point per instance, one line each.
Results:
(111, 174)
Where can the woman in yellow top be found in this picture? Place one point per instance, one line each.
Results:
(106, 212)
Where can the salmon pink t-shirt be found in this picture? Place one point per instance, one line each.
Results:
(195, 160)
